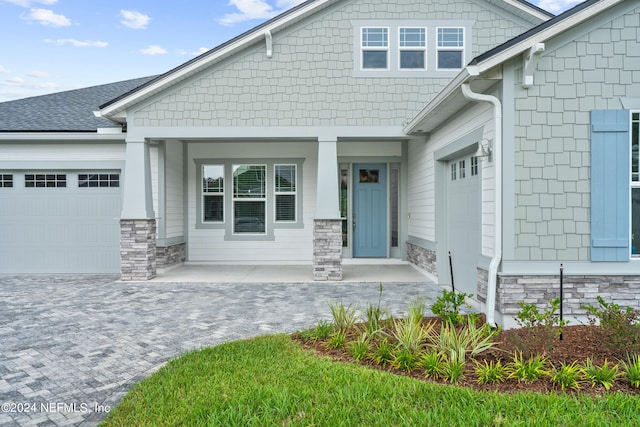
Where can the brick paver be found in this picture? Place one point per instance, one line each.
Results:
(72, 346)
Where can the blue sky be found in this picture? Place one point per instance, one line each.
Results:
(54, 45)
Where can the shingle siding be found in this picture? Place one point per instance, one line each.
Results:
(310, 80)
(552, 159)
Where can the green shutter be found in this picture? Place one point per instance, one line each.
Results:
(610, 185)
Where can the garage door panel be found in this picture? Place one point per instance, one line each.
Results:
(464, 228)
(59, 230)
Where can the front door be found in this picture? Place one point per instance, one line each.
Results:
(370, 210)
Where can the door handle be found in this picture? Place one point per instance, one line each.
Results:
(353, 221)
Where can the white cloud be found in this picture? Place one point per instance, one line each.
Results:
(135, 20)
(77, 43)
(194, 53)
(154, 50)
(3, 70)
(256, 9)
(28, 3)
(15, 81)
(557, 6)
(38, 74)
(48, 17)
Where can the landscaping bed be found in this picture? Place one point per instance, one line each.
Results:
(589, 359)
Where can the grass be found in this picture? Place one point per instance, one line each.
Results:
(272, 381)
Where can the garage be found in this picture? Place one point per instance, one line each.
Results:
(464, 221)
(60, 221)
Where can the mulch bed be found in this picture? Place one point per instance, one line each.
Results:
(579, 342)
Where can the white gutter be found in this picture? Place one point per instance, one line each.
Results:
(497, 157)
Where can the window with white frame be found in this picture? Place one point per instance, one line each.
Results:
(635, 184)
(249, 199)
(454, 171)
(6, 181)
(412, 48)
(285, 193)
(450, 48)
(463, 169)
(375, 48)
(212, 193)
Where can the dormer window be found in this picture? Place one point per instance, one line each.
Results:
(375, 48)
(450, 48)
(409, 48)
(413, 48)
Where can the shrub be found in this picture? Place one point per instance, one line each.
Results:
(619, 328)
(632, 370)
(337, 340)
(383, 352)
(541, 328)
(492, 372)
(360, 347)
(405, 359)
(344, 318)
(567, 376)
(456, 343)
(433, 364)
(447, 306)
(527, 370)
(411, 335)
(320, 332)
(453, 370)
(604, 375)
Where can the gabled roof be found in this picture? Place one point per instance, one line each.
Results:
(450, 99)
(70, 111)
(112, 108)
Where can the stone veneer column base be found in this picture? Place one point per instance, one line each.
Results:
(327, 249)
(168, 256)
(137, 249)
(422, 258)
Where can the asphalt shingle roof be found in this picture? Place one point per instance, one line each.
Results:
(70, 111)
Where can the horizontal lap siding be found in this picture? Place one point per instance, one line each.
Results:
(290, 245)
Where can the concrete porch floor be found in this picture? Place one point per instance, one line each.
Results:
(368, 271)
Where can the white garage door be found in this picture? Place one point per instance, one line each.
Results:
(60, 221)
(464, 221)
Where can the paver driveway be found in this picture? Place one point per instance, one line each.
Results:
(72, 346)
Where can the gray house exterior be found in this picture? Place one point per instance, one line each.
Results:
(564, 97)
(344, 130)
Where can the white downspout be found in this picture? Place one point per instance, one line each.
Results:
(497, 157)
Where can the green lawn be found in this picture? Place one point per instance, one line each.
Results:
(271, 381)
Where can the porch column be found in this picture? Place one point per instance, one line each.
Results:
(327, 227)
(137, 221)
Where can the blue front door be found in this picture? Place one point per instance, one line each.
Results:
(370, 210)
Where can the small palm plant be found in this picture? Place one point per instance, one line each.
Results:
(567, 376)
(604, 375)
(527, 370)
(433, 364)
(492, 372)
(632, 370)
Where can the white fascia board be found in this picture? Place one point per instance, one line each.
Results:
(207, 60)
(463, 77)
(530, 10)
(61, 136)
(546, 34)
